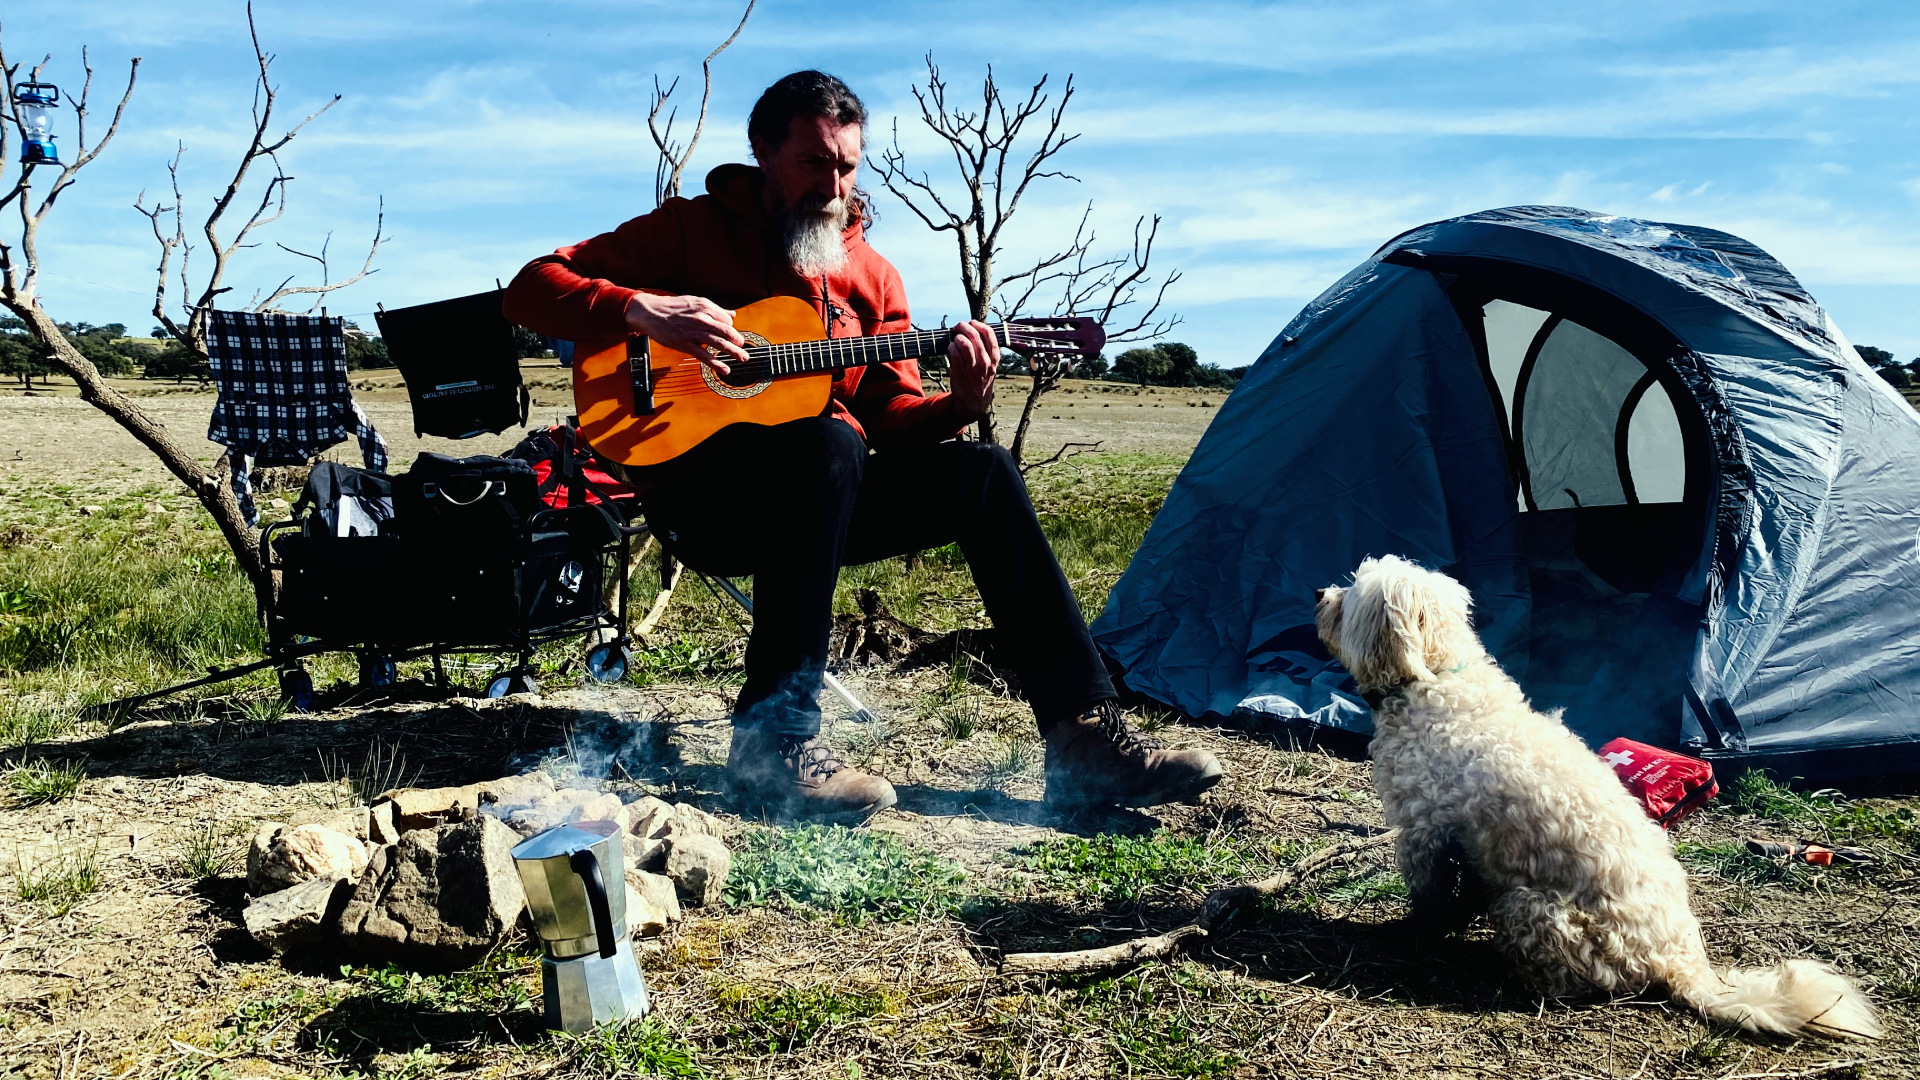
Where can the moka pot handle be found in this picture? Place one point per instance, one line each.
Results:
(587, 866)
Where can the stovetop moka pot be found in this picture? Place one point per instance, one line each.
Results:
(575, 880)
(576, 885)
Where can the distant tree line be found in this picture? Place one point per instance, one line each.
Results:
(1900, 375)
(1167, 364)
(118, 356)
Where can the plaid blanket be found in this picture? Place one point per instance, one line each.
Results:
(283, 393)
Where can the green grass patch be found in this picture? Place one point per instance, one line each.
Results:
(1732, 861)
(793, 1017)
(644, 1047)
(1144, 1038)
(498, 984)
(98, 607)
(58, 881)
(1012, 758)
(42, 781)
(1827, 814)
(120, 598)
(23, 726)
(849, 874)
(258, 1018)
(383, 769)
(681, 657)
(1128, 868)
(1363, 886)
(208, 851)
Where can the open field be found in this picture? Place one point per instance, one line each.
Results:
(122, 953)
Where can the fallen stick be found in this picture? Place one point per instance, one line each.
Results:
(1158, 947)
(660, 602)
(1223, 906)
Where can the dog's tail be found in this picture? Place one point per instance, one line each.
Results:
(1790, 998)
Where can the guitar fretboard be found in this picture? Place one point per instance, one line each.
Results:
(797, 357)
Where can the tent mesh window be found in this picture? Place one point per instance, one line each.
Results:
(1600, 466)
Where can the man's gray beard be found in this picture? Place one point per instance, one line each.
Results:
(813, 236)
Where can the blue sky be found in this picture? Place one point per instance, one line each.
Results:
(1281, 142)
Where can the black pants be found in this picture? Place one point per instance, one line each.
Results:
(792, 504)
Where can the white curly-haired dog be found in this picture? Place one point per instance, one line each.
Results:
(1581, 886)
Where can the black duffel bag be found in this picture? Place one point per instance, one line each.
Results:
(464, 524)
(342, 572)
(469, 502)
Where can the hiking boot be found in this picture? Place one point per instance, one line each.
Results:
(786, 776)
(1097, 761)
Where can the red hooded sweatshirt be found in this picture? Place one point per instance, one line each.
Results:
(722, 246)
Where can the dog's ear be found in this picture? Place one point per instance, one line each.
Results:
(1443, 615)
(1402, 623)
(1379, 629)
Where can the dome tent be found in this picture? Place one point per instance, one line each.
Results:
(1688, 511)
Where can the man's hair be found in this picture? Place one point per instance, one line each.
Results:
(803, 93)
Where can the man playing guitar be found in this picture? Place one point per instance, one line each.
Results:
(879, 474)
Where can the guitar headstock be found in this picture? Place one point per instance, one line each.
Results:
(1067, 338)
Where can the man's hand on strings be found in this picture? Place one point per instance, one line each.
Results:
(691, 324)
(973, 358)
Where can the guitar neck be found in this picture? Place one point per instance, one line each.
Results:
(798, 357)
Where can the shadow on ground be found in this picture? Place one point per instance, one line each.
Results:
(444, 743)
(991, 804)
(1373, 960)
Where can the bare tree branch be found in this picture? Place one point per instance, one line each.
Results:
(1109, 289)
(1067, 450)
(673, 159)
(21, 192)
(265, 95)
(20, 264)
(994, 176)
(319, 292)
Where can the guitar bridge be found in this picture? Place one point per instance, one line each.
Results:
(640, 367)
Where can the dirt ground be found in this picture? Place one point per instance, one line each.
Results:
(151, 974)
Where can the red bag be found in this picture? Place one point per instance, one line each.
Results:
(567, 472)
(1670, 786)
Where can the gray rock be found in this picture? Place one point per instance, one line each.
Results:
(689, 820)
(381, 829)
(297, 916)
(280, 857)
(353, 821)
(440, 899)
(425, 808)
(652, 904)
(698, 865)
(649, 818)
(257, 848)
(644, 854)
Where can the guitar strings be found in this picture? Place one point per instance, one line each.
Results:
(768, 361)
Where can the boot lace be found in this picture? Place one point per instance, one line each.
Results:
(1113, 726)
(811, 756)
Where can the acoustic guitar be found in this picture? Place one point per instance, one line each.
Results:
(641, 403)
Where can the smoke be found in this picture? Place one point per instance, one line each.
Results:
(601, 749)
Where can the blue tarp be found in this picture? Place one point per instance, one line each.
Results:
(1782, 627)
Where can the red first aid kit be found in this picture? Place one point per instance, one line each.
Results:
(1670, 786)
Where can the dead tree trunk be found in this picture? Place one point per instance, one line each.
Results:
(982, 144)
(21, 263)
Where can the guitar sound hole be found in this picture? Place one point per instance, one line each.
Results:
(738, 379)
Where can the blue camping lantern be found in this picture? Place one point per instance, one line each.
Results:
(35, 103)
